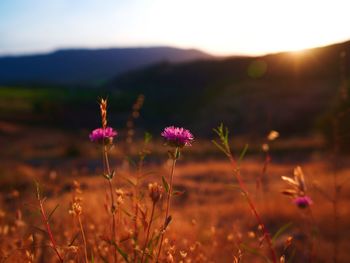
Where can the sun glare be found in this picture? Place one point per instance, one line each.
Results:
(248, 27)
(222, 27)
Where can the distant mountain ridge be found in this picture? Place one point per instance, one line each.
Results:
(290, 91)
(87, 66)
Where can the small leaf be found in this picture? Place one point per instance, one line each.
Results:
(165, 184)
(112, 175)
(40, 229)
(131, 161)
(167, 222)
(147, 137)
(155, 239)
(121, 252)
(106, 176)
(126, 212)
(177, 153)
(281, 230)
(254, 252)
(53, 211)
(178, 193)
(92, 258)
(38, 189)
(73, 239)
(219, 146)
(226, 136)
(244, 151)
(131, 181)
(143, 218)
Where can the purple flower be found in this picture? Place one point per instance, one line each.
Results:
(101, 134)
(177, 137)
(303, 201)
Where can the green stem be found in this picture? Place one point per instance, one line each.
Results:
(107, 167)
(168, 201)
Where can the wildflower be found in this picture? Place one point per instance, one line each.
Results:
(102, 134)
(177, 137)
(155, 192)
(297, 189)
(303, 201)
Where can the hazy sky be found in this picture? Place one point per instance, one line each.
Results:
(218, 27)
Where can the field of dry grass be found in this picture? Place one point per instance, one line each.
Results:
(211, 221)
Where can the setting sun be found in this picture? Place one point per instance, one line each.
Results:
(248, 27)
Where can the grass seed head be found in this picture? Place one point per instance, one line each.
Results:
(103, 109)
(273, 135)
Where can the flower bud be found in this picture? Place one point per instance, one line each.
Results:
(155, 192)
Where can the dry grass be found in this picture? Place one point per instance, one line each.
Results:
(209, 219)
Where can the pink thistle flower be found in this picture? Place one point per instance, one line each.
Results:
(303, 201)
(177, 137)
(101, 134)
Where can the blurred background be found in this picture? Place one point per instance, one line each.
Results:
(255, 66)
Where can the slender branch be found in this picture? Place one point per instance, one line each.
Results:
(223, 133)
(48, 229)
(252, 207)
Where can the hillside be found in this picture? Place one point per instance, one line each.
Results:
(86, 66)
(292, 92)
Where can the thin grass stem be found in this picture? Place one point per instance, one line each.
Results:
(168, 202)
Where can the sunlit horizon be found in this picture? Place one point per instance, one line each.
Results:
(223, 28)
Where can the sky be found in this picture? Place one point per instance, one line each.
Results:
(219, 27)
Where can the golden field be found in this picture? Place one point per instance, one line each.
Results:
(211, 220)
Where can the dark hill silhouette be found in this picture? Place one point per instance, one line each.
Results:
(294, 93)
(289, 91)
(86, 66)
